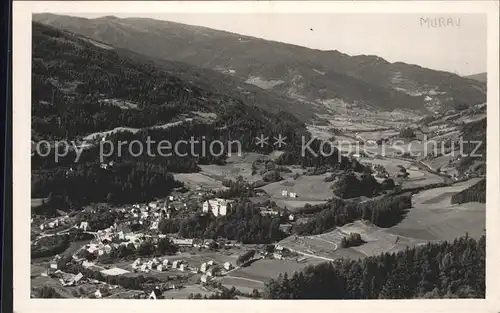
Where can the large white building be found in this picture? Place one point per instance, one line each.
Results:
(218, 207)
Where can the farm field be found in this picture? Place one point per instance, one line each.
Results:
(296, 205)
(416, 178)
(194, 180)
(308, 188)
(242, 284)
(230, 171)
(391, 165)
(376, 135)
(442, 161)
(432, 218)
(263, 270)
(237, 165)
(327, 245)
(185, 292)
(422, 180)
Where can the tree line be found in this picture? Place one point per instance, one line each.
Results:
(475, 193)
(89, 183)
(385, 211)
(243, 223)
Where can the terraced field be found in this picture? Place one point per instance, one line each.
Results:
(432, 218)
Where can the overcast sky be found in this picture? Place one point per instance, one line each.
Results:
(394, 37)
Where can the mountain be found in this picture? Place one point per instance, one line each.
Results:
(72, 74)
(84, 90)
(308, 75)
(482, 77)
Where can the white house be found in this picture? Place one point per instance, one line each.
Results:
(266, 211)
(84, 226)
(293, 195)
(182, 242)
(56, 262)
(165, 262)
(210, 263)
(98, 294)
(227, 266)
(218, 207)
(53, 224)
(204, 279)
(53, 265)
(154, 225)
(92, 248)
(171, 198)
(107, 249)
(77, 278)
(152, 296)
(182, 267)
(175, 263)
(159, 268)
(284, 193)
(203, 267)
(121, 235)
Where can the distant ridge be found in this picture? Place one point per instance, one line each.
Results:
(482, 77)
(308, 75)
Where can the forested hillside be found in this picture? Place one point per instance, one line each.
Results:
(475, 193)
(81, 87)
(445, 270)
(474, 133)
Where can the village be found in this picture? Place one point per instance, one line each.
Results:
(191, 262)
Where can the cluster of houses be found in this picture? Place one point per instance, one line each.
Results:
(158, 265)
(279, 253)
(270, 211)
(210, 269)
(153, 212)
(285, 193)
(66, 279)
(55, 223)
(217, 206)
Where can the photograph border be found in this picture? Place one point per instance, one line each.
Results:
(21, 73)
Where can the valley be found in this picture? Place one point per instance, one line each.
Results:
(400, 188)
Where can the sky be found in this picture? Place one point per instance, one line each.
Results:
(459, 48)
